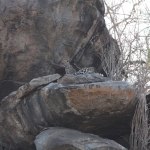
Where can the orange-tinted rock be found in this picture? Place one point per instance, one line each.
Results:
(105, 97)
(102, 108)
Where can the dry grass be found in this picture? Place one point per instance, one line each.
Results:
(139, 131)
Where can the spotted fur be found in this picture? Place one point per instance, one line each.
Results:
(88, 70)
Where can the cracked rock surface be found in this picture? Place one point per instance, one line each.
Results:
(103, 108)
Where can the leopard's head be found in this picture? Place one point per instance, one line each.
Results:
(91, 70)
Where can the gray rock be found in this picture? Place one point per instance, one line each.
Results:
(102, 108)
(38, 38)
(83, 78)
(35, 83)
(45, 37)
(63, 139)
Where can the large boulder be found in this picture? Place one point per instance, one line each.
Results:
(63, 139)
(42, 37)
(102, 108)
(47, 40)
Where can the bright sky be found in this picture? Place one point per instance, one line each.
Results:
(142, 13)
(148, 3)
(132, 31)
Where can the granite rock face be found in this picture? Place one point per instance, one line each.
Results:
(63, 139)
(42, 44)
(102, 108)
(42, 37)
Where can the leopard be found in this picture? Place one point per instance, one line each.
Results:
(87, 70)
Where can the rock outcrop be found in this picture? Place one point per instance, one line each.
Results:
(63, 139)
(38, 38)
(102, 108)
(47, 42)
